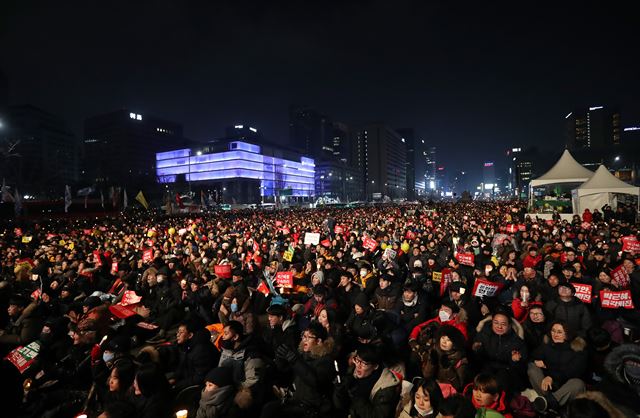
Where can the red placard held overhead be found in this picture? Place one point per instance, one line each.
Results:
(147, 255)
(486, 288)
(468, 259)
(583, 292)
(223, 270)
(369, 243)
(620, 277)
(284, 279)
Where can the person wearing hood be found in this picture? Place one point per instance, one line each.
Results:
(161, 297)
(313, 373)
(568, 308)
(414, 307)
(621, 383)
(369, 389)
(361, 315)
(346, 293)
(216, 399)
(558, 368)
(447, 361)
(448, 314)
(485, 393)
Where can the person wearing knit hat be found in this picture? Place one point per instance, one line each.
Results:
(567, 307)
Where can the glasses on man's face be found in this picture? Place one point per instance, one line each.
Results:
(359, 362)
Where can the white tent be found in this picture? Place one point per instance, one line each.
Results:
(566, 170)
(600, 190)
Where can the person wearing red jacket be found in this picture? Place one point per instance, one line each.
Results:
(485, 393)
(448, 314)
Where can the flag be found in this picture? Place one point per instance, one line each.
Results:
(101, 199)
(17, 202)
(5, 195)
(86, 191)
(67, 198)
(125, 201)
(140, 198)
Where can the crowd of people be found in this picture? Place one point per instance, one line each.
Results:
(433, 310)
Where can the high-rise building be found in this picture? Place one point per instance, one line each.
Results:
(341, 143)
(594, 127)
(120, 147)
(44, 151)
(384, 156)
(521, 169)
(408, 136)
(243, 132)
(431, 169)
(311, 132)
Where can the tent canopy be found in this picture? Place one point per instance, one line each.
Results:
(605, 182)
(566, 170)
(600, 190)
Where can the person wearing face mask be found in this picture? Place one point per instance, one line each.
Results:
(448, 314)
(242, 309)
(241, 352)
(423, 401)
(113, 349)
(367, 280)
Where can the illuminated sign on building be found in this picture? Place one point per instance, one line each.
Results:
(488, 164)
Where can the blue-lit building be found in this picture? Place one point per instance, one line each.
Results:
(241, 171)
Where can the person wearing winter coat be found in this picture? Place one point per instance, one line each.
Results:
(151, 393)
(568, 308)
(485, 393)
(281, 330)
(413, 309)
(447, 361)
(621, 383)
(422, 401)
(369, 390)
(558, 367)
(448, 314)
(500, 349)
(216, 399)
(313, 371)
(24, 324)
(535, 326)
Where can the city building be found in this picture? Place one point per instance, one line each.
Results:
(41, 151)
(120, 147)
(593, 127)
(521, 169)
(384, 156)
(489, 176)
(243, 132)
(431, 168)
(311, 132)
(338, 180)
(243, 172)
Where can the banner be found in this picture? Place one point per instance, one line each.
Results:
(284, 279)
(311, 238)
(223, 270)
(288, 255)
(23, 357)
(130, 298)
(263, 288)
(630, 244)
(339, 229)
(147, 255)
(114, 268)
(325, 243)
(369, 244)
(486, 288)
(620, 277)
(467, 259)
(410, 235)
(583, 292)
(610, 299)
(122, 312)
(446, 278)
(436, 276)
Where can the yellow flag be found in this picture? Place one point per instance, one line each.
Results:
(26, 240)
(288, 255)
(140, 198)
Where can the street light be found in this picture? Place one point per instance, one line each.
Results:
(615, 159)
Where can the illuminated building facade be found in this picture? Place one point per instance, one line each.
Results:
(594, 127)
(246, 172)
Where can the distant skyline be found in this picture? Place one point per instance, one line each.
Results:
(471, 78)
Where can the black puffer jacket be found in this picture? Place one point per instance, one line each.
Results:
(313, 377)
(563, 361)
(195, 358)
(574, 313)
(496, 350)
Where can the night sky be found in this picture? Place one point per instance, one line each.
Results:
(472, 78)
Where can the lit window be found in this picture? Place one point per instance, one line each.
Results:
(132, 115)
(139, 117)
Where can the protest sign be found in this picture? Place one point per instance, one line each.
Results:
(339, 229)
(223, 270)
(610, 299)
(583, 292)
(325, 243)
(130, 298)
(486, 288)
(390, 253)
(311, 238)
(147, 255)
(630, 244)
(288, 255)
(23, 357)
(369, 244)
(620, 277)
(284, 279)
(467, 259)
(436, 276)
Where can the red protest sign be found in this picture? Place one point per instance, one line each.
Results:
(339, 229)
(114, 267)
(130, 298)
(522, 227)
(428, 223)
(325, 243)
(583, 292)
(285, 231)
(445, 280)
(613, 300)
(512, 229)
(630, 244)
(17, 232)
(147, 255)
(87, 231)
(121, 312)
(23, 357)
(468, 259)
(485, 288)
(410, 235)
(35, 295)
(369, 243)
(284, 279)
(223, 270)
(278, 223)
(620, 277)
